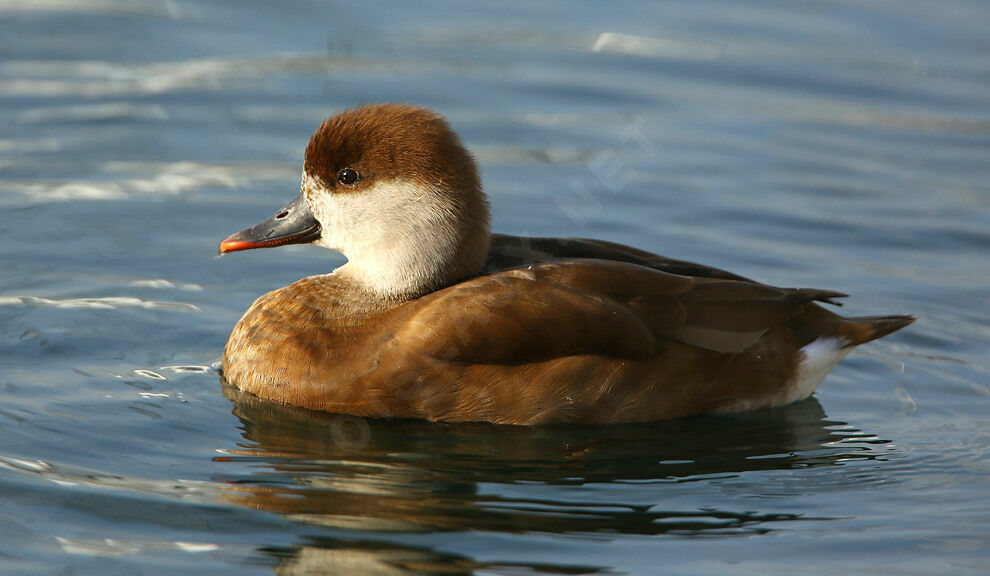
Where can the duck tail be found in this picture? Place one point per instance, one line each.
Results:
(863, 329)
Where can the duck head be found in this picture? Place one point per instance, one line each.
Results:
(391, 188)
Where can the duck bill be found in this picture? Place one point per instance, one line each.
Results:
(293, 224)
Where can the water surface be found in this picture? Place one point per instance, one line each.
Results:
(843, 146)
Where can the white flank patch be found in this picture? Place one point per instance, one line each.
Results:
(819, 358)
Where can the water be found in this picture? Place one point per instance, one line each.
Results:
(840, 146)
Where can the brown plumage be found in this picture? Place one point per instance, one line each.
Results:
(434, 318)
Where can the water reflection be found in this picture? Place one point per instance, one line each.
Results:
(416, 477)
(332, 557)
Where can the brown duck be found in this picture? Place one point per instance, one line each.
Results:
(434, 317)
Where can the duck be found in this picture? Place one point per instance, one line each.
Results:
(434, 317)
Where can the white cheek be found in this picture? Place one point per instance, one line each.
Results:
(399, 237)
(350, 222)
(377, 220)
(325, 208)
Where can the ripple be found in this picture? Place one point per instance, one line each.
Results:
(76, 476)
(91, 112)
(515, 155)
(162, 284)
(100, 303)
(157, 8)
(102, 79)
(147, 178)
(27, 146)
(113, 548)
(191, 369)
(656, 47)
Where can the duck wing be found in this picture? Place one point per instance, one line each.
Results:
(514, 251)
(594, 307)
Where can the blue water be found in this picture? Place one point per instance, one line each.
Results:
(842, 146)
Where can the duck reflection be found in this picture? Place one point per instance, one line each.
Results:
(408, 476)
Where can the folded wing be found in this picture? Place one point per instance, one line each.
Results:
(595, 307)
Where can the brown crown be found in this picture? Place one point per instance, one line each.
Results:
(387, 142)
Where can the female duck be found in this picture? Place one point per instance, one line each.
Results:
(434, 317)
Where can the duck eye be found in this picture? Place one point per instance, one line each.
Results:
(348, 176)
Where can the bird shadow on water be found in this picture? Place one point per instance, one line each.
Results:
(370, 480)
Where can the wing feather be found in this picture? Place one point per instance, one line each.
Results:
(595, 307)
